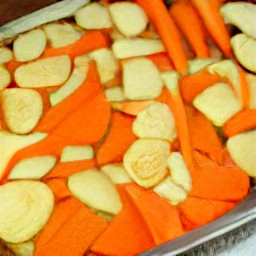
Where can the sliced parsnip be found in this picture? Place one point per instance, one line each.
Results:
(60, 35)
(11, 143)
(82, 60)
(251, 79)
(241, 15)
(5, 55)
(93, 16)
(32, 167)
(146, 161)
(106, 216)
(126, 48)
(179, 171)
(30, 45)
(76, 153)
(77, 77)
(25, 208)
(156, 121)
(23, 249)
(170, 79)
(170, 191)
(199, 63)
(114, 94)
(128, 17)
(22, 109)
(96, 190)
(116, 173)
(141, 79)
(218, 102)
(242, 148)
(244, 48)
(45, 72)
(5, 77)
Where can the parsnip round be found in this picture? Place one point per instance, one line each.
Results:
(5, 77)
(5, 55)
(25, 208)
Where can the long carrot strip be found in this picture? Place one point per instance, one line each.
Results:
(244, 87)
(202, 160)
(162, 61)
(242, 121)
(209, 10)
(159, 16)
(191, 26)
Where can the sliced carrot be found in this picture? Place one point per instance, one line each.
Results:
(126, 235)
(194, 84)
(209, 11)
(118, 140)
(160, 18)
(160, 216)
(200, 211)
(70, 231)
(244, 87)
(12, 65)
(162, 61)
(191, 26)
(242, 121)
(202, 160)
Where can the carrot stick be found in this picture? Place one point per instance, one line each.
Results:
(159, 16)
(70, 231)
(162, 219)
(119, 138)
(202, 160)
(209, 11)
(162, 61)
(126, 235)
(244, 87)
(242, 121)
(194, 84)
(191, 26)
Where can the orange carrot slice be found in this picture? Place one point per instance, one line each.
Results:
(202, 160)
(191, 26)
(162, 61)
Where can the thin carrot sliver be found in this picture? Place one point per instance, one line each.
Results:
(160, 18)
(244, 87)
(191, 26)
(162, 61)
(202, 160)
(209, 10)
(241, 122)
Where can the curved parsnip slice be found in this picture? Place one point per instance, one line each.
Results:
(114, 94)
(179, 171)
(156, 121)
(244, 48)
(5, 77)
(116, 173)
(96, 190)
(44, 72)
(76, 153)
(218, 102)
(23, 249)
(129, 18)
(243, 151)
(5, 55)
(22, 109)
(146, 161)
(30, 45)
(199, 63)
(60, 35)
(25, 208)
(141, 79)
(126, 48)
(33, 167)
(170, 191)
(93, 16)
(251, 80)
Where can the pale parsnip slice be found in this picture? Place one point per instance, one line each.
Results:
(141, 79)
(77, 77)
(179, 171)
(251, 79)
(96, 190)
(93, 16)
(156, 121)
(30, 45)
(32, 167)
(117, 173)
(170, 79)
(126, 48)
(82, 60)
(114, 94)
(242, 148)
(11, 143)
(22, 109)
(5, 55)
(23, 249)
(218, 102)
(241, 15)
(170, 191)
(146, 161)
(76, 153)
(128, 17)
(5, 77)
(60, 35)
(25, 208)
(199, 63)
(45, 72)
(244, 48)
